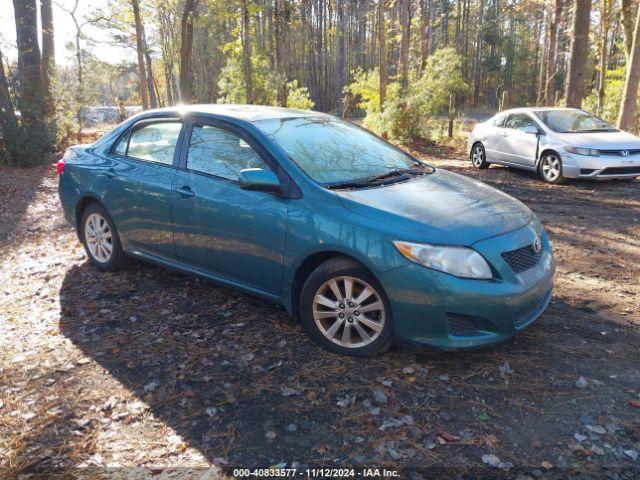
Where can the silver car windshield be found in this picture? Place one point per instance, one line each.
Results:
(573, 121)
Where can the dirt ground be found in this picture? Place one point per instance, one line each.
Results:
(100, 373)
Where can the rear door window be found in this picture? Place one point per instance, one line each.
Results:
(154, 142)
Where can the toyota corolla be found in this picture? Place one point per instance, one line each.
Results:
(363, 243)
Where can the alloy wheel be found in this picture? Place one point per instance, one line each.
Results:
(477, 156)
(349, 312)
(550, 168)
(98, 236)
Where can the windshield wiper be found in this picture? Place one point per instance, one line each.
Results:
(398, 174)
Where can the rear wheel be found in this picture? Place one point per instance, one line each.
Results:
(550, 168)
(345, 310)
(100, 238)
(479, 157)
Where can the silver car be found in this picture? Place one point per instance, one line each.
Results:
(556, 143)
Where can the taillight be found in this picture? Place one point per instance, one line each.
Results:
(60, 166)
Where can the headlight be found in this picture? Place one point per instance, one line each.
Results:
(583, 151)
(459, 261)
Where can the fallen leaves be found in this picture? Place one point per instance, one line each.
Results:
(446, 437)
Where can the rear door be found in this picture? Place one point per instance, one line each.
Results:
(139, 182)
(220, 228)
(520, 148)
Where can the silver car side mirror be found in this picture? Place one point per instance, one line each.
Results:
(532, 130)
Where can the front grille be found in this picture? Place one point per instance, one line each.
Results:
(620, 171)
(619, 152)
(462, 325)
(522, 259)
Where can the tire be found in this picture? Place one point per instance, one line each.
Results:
(479, 156)
(318, 317)
(98, 233)
(550, 168)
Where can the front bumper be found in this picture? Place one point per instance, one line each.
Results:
(604, 167)
(437, 309)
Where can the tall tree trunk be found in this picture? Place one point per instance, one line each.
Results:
(540, 54)
(382, 63)
(604, 32)
(553, 47)
(186, 47)
(281, 59)
(424, 44)
(80, 91)
(579, 43)
(404, 43)
(142, 71)
(626, 12)
(48, 57)
(444, 23)
(30, 102)
(628, 106)
(246, 52)
(153, 98)
(9, 129)
(340, 54)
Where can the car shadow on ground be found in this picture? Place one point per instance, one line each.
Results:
(239, 380)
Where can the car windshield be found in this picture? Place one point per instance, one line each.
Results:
(573, 121)
(334, 152)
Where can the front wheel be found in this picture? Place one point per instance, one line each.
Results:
(479, 157)
(551, 168)
(344, 309)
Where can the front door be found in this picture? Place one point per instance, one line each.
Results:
(519, 147)
(219, 228)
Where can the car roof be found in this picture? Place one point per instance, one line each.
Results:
(250, 113)
(534, 109)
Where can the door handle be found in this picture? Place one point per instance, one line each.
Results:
(504, 134)
(110, 173)
(185, 192)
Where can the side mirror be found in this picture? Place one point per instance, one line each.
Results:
(532, 130)
(259, 180)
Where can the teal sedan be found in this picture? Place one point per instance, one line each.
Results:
(363, 243)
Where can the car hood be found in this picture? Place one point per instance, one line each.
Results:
(602, 140)
(441, 208)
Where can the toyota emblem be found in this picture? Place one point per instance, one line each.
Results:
(537, 245)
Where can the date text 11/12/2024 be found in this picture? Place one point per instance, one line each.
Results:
(316, 472)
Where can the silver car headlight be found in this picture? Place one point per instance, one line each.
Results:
(459, 261)
(583, 151)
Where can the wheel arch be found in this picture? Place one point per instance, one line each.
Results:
(81, 204)
(306, 267)
(547, 151)
(473, 145)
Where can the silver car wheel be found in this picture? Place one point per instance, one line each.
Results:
(477, 156)
(98, 237)
(349, 312)
(550, 167)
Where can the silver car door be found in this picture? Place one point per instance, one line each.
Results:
(519, 147)
(492, 138)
